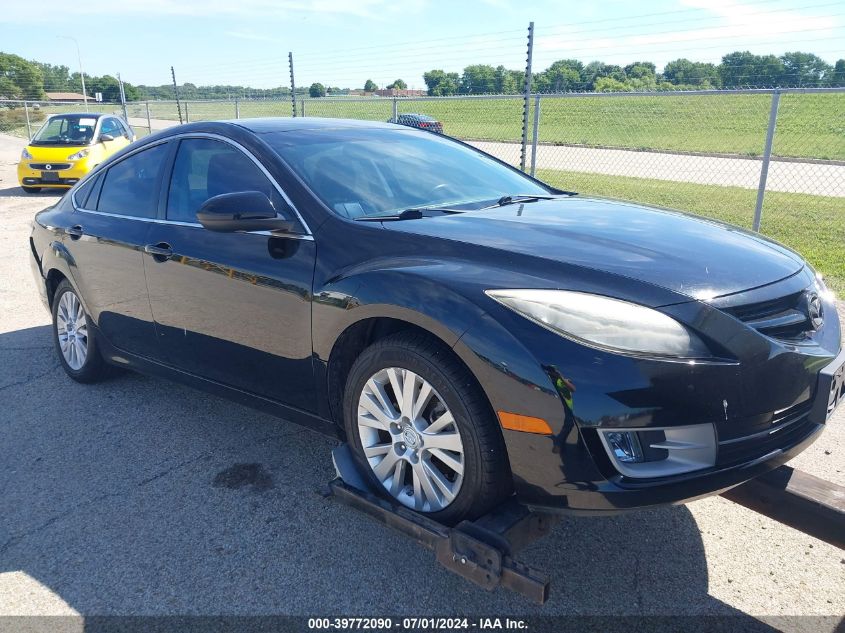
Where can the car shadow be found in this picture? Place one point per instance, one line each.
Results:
(16, 191)
(138, 496)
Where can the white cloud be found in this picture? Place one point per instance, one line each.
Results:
(727, 25)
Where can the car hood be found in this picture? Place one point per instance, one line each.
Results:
(53, 153)
(698, 258)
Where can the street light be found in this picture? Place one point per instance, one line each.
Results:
(81, 72)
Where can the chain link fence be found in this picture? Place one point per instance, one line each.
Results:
(768, 160)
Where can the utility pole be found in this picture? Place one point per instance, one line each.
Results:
(122, 98)
(526, 99)
(81, 71)
(176, 92)
(292, 85)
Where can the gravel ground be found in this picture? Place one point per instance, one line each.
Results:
(130, 497)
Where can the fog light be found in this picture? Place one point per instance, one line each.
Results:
(625, 446)
(661, 452)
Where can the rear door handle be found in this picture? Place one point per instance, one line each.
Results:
(75, 232)
(160, 251)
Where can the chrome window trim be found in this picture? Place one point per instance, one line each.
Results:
(303, 236)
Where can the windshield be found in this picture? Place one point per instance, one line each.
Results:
(66, 129)
(373, 172)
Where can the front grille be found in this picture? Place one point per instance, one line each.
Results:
(50, 166)
(785, 432)
(782, 318)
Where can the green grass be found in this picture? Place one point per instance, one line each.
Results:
(812, 225)
(809, 125)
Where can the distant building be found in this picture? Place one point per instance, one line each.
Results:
(75, 97)
(395, 92)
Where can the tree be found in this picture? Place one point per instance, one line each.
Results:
(20, 79)
(595, 70)
(684, 72)
(398, 85)
(56, 78)
(478, 79)
(370, 86)
(440, 83)
(743, 68)
(562, 76)
(641, 70)
(317, 90)
(837, 78)
(609, 84)
(805, 69)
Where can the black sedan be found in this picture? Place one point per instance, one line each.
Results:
(471, 332)
(421, 121)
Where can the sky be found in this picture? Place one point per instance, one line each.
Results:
(345, 42)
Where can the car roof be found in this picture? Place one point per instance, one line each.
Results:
(289, 124)
(88, 115)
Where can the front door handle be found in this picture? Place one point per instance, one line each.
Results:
(161, 252)
(75, 232)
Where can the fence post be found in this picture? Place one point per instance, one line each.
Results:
(302, 106)
(237, 109)
(292, 84)
(395, 110)
(187, 120)
(123, 99)
(28, 126)
(149, 122)
(526, 96)
(534, 135)
(767, 154)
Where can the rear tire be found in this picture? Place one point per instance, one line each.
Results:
(447, 435)
(75, 339)
(30, 189)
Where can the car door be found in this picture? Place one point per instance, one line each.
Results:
(234, 308)
(113, 128)
(113, 214)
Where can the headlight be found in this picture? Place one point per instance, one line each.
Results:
(80, 154)
(25, 155)
(604, 322)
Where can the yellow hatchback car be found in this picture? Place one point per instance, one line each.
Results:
(68, 146)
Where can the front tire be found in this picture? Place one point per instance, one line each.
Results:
(422, 431)
(30, 189)
(74, 337)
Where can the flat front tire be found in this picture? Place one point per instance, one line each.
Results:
(422, 431)
(74, 337)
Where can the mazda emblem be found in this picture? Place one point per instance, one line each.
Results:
(815, 312)
(48, 167)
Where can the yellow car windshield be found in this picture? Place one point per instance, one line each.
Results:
(66, 129)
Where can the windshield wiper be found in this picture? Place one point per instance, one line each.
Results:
(529, 197)
(407, 214)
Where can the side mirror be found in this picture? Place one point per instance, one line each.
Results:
(106, 137)
(241, 211)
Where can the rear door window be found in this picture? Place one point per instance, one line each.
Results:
(131, 186)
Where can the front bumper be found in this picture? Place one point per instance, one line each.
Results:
(64, 178)
(760, 400)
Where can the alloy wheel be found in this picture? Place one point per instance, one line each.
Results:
(72, 330)
(410, 439)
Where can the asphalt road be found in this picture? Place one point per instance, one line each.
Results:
(794, 176)
(138, 496)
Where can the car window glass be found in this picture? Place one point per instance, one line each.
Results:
(205, 168)
(382, 171)
(111, 126)
(83, 193)
(130, 186)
